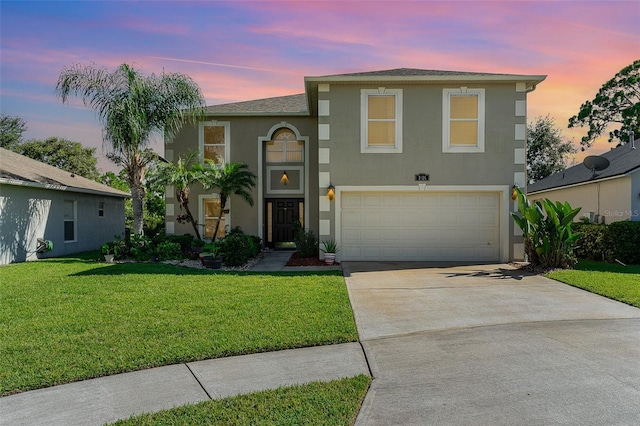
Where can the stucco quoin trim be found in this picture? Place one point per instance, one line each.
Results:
(504, 192)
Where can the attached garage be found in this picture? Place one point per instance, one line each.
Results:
(421, 226)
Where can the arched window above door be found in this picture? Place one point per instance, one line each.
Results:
(284, 147)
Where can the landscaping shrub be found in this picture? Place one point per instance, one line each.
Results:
(167, 250)
(625, 238)
(189, 245)
(594, 243)
(237, 247)
(141, 247)
(306, 242)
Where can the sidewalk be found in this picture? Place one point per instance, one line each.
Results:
(107, 399)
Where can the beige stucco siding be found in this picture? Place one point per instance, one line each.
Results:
(609, 198)
(422, 140)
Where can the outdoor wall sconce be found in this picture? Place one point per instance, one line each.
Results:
(514, 193)
(285, 178)
(331, 192)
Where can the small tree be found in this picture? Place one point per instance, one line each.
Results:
(617, 101)
(63, 154)
(546, 227)
(546, 151)
(182, 175)
(229, 179)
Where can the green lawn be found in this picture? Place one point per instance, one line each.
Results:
(318, 403)
(69, 319)
(610, 280)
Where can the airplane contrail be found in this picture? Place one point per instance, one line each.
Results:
(222, 65)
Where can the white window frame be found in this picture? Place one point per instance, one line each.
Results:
(227, 137)
(446, 110)
(364, 121)
(284, 150)
(75, 221)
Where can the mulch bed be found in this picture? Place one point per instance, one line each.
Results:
(294, 260)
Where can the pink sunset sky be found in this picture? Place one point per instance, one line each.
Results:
(244, 50)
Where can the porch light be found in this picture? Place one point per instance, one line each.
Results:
(331, 192)
(285, 178)
(514, 193)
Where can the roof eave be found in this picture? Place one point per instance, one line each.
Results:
(16, 182)
(257, 114)
(532, 79)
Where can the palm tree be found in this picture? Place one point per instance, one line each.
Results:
(182, 175)
(229, 179)
(132, 108)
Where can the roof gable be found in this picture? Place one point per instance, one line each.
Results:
(16, 169)
(622, 160)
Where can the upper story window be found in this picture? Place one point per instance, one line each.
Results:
(101, 208)
(463, 120)
(381, 120)
(214, 141)
(285, 148)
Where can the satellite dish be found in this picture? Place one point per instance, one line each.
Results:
(595, 163)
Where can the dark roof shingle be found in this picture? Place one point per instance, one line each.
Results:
(622, 160)
(20, 170)
(280, 105)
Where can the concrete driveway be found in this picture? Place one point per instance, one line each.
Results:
(487, 345)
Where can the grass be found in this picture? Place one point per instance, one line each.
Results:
(319, 403)
(614, 281)
(70, 319)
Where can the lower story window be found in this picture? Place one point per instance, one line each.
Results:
(69, 221)
(211, 214)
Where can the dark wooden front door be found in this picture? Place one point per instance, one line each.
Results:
(285, 213)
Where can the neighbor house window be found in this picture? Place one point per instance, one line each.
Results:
(463, 120)
(69, 221)
(381, 120)
(211, 214)
(285, 148)
(101, 208)
(214, 141)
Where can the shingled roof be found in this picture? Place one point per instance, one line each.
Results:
(412, 72)
(622, 160)
(16, 169)
(280, 105)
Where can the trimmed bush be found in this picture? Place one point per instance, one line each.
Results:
(625, 237)
(306, 243)
(237, 247)
(594, 243)
(167, 250)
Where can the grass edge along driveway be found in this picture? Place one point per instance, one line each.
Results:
(70, 319)
(621, 283)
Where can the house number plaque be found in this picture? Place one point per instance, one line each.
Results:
(422, 177)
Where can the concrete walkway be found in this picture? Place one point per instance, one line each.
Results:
(107, 399)
(487, 345)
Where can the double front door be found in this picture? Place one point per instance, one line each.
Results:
(282, 218)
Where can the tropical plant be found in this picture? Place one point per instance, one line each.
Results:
(546, 226)
(229, 179)
(182, 175)
(330, 246)
(133, 107)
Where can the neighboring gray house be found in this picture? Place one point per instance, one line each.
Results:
(402, 164)
(613, 194)
(41, 201)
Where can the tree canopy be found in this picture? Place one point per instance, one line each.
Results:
(133, 107)
(63, 154)
(617, 102)
(11, 130)
(547, 152)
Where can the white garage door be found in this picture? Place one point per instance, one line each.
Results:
(446, 226)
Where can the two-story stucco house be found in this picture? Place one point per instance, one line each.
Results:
(403, 164)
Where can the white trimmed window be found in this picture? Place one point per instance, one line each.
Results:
(463, 120)
(211, 207)
(381, 121)
(70, 228)
(285, 148)
(213, 141)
